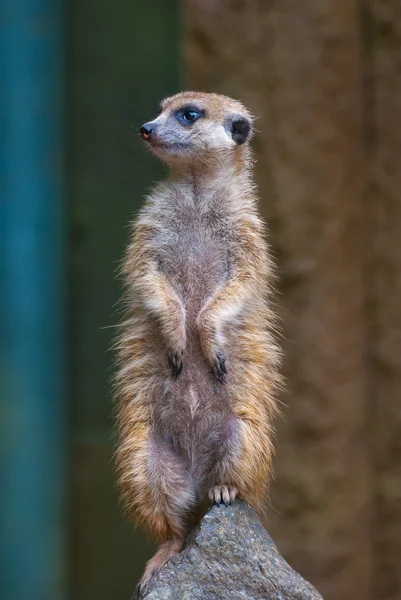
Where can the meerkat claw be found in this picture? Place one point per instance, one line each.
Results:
(175, 363)
(219, 368)
(223, 494)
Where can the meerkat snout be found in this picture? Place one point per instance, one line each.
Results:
(146, 131)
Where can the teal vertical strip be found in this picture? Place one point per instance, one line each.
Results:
(32, 245)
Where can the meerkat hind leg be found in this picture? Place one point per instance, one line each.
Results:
(171, 500)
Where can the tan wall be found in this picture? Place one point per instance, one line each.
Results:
(324, 78)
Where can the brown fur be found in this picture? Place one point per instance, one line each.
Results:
(197, 273)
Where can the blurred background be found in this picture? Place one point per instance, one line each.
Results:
(77, 79)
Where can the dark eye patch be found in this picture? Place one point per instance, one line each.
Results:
(187, 115)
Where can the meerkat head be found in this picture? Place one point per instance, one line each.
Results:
(192, 126)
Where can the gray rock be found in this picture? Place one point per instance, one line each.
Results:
(229, 557)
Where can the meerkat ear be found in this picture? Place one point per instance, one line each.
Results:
(240, 129)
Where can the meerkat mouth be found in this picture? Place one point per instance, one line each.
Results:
(167, 147)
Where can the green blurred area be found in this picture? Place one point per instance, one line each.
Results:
(122, 59)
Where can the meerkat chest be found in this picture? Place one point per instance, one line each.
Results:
(194, 253)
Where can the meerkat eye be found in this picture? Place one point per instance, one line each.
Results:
(187, 116)
(190, 115)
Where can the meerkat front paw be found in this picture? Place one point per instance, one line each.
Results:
(175, 361)
(223, 494)
(210, 339)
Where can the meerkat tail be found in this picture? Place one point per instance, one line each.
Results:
(167, 550)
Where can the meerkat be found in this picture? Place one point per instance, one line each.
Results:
(198, 361)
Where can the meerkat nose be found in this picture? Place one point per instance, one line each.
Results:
(146, 131)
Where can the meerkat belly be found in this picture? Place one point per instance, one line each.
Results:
(195, 417)
(192, 409)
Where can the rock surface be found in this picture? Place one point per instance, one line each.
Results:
(229, 557)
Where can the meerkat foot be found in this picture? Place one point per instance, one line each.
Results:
(175, 362)
(166, 551)
(219, 368)
(225, 494)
